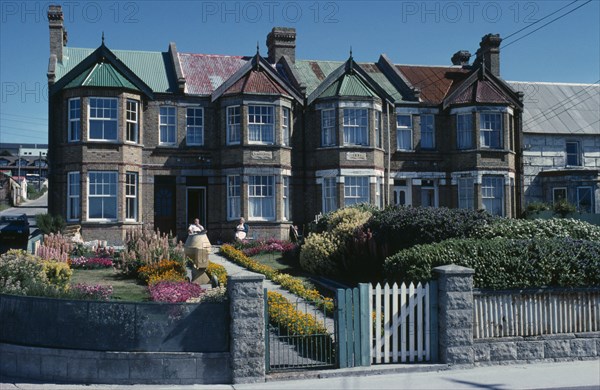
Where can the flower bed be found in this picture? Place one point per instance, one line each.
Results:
(91, 292)
(286, 281)
(83, 262)
(168, 291)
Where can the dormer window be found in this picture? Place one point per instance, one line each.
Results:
(490, 130)
(573, 154)
(356, 129)
(102, 119)
(261, 128)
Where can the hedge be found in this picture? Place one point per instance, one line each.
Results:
(503, 263)
(539, 228)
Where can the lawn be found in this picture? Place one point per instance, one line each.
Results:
(124, 289)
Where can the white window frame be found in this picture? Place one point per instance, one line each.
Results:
(285, 126)
(285, 182)
(328, 133)
(234, 125)
(576, 154)
(554, 193)
(428, 130)
(591, 193)
(132, 120)
(404, 131)
(261, 198)
(464, 131)
(194, 131)
(356, 126)
(131, 196)
(100, 116)
(261, 124)
(73, 196)
(466, 193)
(74, 131)
(167, 131)
(490, 186)
(104, 190)
(329, 192)
(234, 196)
(356, 189)
(488, 134)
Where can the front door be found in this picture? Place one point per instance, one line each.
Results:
(164, 204)
(196, 204)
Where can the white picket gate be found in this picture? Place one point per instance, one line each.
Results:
(401, 330)
(505, 314)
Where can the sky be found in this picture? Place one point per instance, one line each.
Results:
(566, 50)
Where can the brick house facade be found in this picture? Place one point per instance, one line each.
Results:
(165, 137)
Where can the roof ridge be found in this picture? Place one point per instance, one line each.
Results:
(214, 55)
(552, 83)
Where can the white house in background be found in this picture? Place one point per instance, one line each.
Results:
(561, 143)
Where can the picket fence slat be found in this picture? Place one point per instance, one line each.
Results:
(532, 314)
(401, 329)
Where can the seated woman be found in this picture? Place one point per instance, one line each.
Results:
(195, 228)
(241, 230)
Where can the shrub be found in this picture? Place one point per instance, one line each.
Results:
(95, 292)
(217, 271)
(327, 252)
(563, 208)
(535, 207)
(502, 264)
(168, 291)
(50, 223)
(539, 228)
(58, 274)
(23, 274)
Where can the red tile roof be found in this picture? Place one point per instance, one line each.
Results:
(256, 81)
(204, 73)
(435, 82)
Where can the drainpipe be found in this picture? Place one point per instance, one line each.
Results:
(389, 156)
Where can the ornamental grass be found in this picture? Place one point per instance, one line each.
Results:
(286, 281)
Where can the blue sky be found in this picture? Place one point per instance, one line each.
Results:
(409, 32)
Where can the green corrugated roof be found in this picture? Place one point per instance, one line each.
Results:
(348, 85)
(101, 75)
(153, 68)
(308, 76)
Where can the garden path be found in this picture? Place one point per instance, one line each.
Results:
(302, 304)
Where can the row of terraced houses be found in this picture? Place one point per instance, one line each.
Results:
(165, 137)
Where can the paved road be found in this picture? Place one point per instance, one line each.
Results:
(567, 375)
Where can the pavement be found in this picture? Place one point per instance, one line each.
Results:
(581, 375)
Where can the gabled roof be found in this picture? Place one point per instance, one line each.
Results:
(101, 75)
(256, 76)
(154, 69)
(482, 87)
(101, 55)
(348, 85)
(560, 108)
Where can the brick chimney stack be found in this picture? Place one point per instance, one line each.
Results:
(58, 35)
(489, 53)
(281, 41)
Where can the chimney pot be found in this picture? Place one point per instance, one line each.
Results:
(281, 41)
(461, 57)
(489, 53)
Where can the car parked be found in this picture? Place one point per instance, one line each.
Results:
(14, 229)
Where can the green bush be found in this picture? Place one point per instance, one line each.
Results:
(563, 208)
(502, 263)
(58, 274)
(327, 252)
(535, 207)
(539, 228)
(24, 274)
(50, 224)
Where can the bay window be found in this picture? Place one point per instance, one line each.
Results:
(490, 130)
(356, 190)
(102, 125)
(464, 131)
(356, 129)
(285, 126)
(233, 197)
(465, 193)
(261, 197)
(74, 120)
(261, 124)
(132, 121)
(328, 132)
(233, 125)
(492, 194)
(329, 194)
(286, 198)
(131, 196)
(102, 195)
(73, 196)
